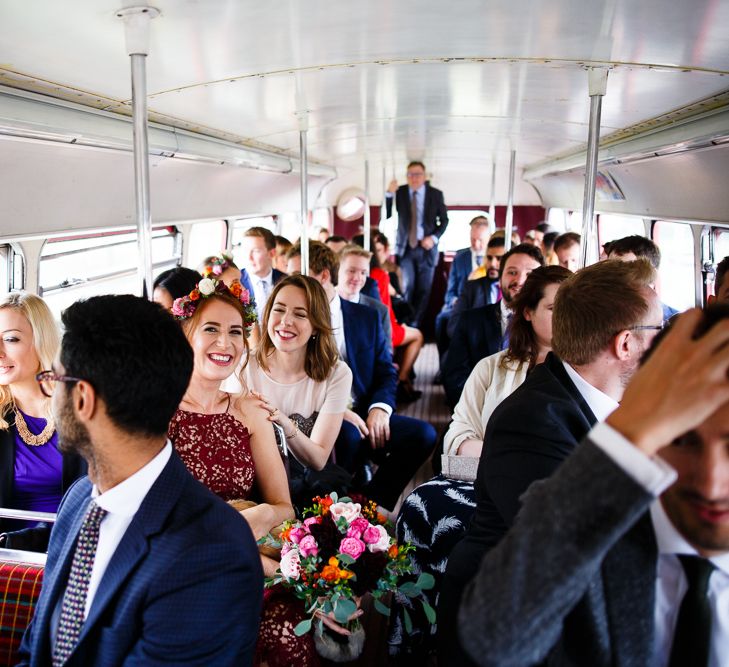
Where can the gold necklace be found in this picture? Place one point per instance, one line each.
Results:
(27, 437)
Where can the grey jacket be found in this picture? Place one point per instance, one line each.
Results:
(573, 581)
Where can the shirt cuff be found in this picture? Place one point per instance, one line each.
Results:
(389, 195)
(382, 406)
(652, 473)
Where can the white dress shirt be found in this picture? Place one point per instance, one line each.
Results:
(121, 503)
(474, 259)
(262, 287)
(505, 313)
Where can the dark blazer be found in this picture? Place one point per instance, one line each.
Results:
(371, 290)
(29, 539)
(382, 310)
(183, 587)
(461, 268)
(374, 379)
(477, 335)
(475, 294)
(574, 582)
(435, 214)
(246, 280)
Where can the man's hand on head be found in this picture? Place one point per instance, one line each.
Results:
(682, 384)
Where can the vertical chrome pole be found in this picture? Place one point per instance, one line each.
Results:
(597, 80)
(367, 222)
(492, 206)
(304, 197)
(508, 227)
(136, 29)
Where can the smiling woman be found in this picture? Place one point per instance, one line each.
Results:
(33, 473)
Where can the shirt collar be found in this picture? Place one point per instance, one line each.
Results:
(420, 190)
(335, 306)
(267, 278)
(601, 404)
(670, 541)
(126, 497)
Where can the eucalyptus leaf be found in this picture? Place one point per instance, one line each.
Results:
(425, 581)
(385, 611)
(410, 589)
(408, 621)
(303, 627)
(345, 558)
(343, 610)
(429, 612)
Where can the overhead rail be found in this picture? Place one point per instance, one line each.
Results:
(26, 115)
(704, 130)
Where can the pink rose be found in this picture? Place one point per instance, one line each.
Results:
(308, 546)
(217, 269)
(361, 524)
(286, 547)
(290, 565)
(295, 534)
(379, 542)
(353, 532)
(351, 546)
(348, 511)
(311, 520)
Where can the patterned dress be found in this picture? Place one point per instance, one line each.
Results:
(216, 449)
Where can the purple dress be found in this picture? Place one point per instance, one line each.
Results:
(38, 473)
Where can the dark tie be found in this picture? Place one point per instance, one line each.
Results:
(505, 338)
(71, 619)
(479, 260)
(692, 637)
(413, 233)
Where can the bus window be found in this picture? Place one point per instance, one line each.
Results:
(676, 287)
(611, 227)
(321, 218)
(557, 219)
(77, 267)
(458, 233)
(289, 226)
(721, 244)
(5, 268)
(204, 239)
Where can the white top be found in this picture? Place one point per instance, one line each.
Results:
(305, 396)
(335, 306)
(121, 503)
(488, 384)
(671, 583)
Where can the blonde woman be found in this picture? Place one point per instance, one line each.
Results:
(33, 474)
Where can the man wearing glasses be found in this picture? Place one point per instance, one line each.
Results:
(422, 220)
(605, 316)
(145, 565)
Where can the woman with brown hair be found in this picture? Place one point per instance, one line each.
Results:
(438, 512)
(299, 378)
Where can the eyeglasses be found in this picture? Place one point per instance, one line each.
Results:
(648, 327)
(48, 379)
(414, 174)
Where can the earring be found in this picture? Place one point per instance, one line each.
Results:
(313, 337)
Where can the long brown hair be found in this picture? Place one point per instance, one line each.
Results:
(523, 345)
(321, 349)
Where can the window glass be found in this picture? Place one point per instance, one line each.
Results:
(321, 219)
(721, 244)
(557, 219)
(99, 263)
(611, 227)
(204, 239)
(676, 275)
(290, 226)
(458, 233)
(4, 269)
(573, 221)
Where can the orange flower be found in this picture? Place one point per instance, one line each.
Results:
(237, 289)
(330, 573)
(345, 574)
(381, 518)
(285, 534)
(392, 551)
(194, 295)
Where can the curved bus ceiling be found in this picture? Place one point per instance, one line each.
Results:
(457, 85)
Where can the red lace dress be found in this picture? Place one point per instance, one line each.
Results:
(216, 449)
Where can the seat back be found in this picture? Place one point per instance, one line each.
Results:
(21, 576)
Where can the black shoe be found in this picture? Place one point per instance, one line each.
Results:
(406, 393)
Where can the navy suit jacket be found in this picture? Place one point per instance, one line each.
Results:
(184, 586)
(374, 379)
(246, 280)
(371, 290)
(461, 268)
(527, 437)
(435, 214)
(475, 294)
(477, 335)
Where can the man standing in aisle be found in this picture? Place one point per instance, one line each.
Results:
(422, 220)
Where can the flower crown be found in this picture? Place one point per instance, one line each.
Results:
(184, 307)
(218, 264)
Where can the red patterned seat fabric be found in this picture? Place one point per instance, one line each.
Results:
(20, 585)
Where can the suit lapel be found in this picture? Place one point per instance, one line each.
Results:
(349, 325)
(629, 573)
(557, 369)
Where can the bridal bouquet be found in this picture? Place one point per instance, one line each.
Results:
(339, 552)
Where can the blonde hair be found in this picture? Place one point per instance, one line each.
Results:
(354, 250)
(46, 341)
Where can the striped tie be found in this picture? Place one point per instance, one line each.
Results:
(74, 599)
